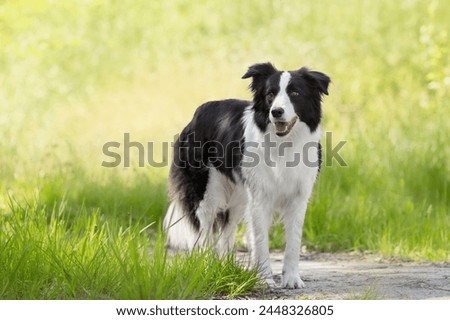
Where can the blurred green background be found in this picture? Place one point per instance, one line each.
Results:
(77, 74)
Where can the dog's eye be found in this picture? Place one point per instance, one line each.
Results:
(295, 93)
(270, 96)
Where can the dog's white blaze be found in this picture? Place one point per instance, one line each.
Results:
(282, 99)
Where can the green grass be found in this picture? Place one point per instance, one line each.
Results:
(372, 292)
(47, 255)
(74, 76)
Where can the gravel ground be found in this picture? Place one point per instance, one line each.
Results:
(357, 276)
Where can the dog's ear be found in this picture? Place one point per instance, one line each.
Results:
(260, 69)
(259, 72)
(318, 79)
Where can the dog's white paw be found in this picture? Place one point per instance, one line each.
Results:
(270, 282)
(292, 281)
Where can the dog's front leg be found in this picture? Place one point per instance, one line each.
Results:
(293, 217)
(260, 215)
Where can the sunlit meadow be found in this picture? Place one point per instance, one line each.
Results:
(76, 75)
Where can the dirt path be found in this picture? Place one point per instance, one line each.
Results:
(352, 276)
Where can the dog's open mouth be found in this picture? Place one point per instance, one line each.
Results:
(282, 128)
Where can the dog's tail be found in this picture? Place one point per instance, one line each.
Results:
(181, 234)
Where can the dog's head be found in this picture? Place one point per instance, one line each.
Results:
(285, 98)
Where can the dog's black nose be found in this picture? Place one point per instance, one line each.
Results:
(277, 112)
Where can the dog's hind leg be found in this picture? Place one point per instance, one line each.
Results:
(213, 204)
(206, 216)
(230, 220)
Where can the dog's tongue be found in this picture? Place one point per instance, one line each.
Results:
(281, 127)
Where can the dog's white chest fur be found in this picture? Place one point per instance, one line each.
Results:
(280, 167)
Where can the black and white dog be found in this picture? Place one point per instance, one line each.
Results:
(239, 158)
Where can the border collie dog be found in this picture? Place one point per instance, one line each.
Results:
(248, 159)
